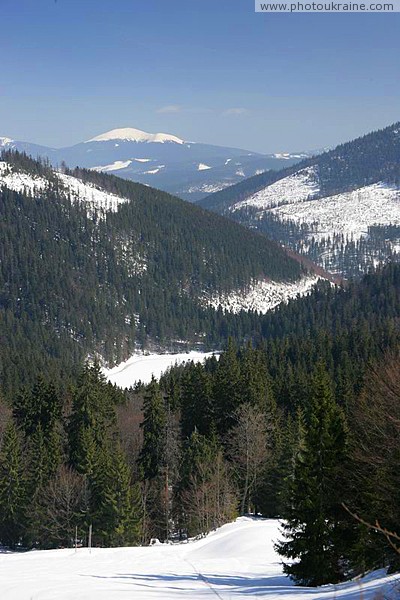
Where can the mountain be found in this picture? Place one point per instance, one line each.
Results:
(189, 170)
(340, 208)
(91, 263)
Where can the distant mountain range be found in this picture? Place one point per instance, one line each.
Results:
(189, 170)
(94, 264)
(341, 208)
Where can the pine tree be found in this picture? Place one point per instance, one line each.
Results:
(313, 527)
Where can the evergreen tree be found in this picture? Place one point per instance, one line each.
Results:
(154, 420)
(313, 528)
(13, 499)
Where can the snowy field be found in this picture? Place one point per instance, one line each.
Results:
(236, 562)
(142, 368)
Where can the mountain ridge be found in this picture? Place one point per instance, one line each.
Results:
(187, 169)
(340, 208)
(92, 263)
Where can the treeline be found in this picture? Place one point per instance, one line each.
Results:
(298, 426)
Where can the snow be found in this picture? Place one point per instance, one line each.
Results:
(74, 188)
(237, 561)
(154, 171)
(115, 166)
(21, 182)
(299, 187)
(129, 134)
(5, 140)
(142, 367)
(203, 167)
(143, 160)
(350, 213)
(94, 197)
(262, 295)
(208, 188)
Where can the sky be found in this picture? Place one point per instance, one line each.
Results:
(212, 71)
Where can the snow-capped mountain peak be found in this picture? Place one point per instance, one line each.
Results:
(130, 134)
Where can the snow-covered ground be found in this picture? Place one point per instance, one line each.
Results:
(74, 188)
(237, 562)
(299, 187)
(350, 213)
(262, 296)
(142, 368)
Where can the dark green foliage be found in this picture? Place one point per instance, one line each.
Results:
(151, 457)
(13, 488)
(313, 514)
(74, 283)
(366, 160)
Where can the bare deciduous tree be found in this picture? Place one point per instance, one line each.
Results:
(62, 506)
(248, 449)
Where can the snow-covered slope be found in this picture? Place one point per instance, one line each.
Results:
(73, 188)
(332, 230)
(143, 367)
(299, 187)
(349, 213)
(237, 561)
(262, 296)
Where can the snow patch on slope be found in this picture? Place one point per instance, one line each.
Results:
(350, 213)
(129, 134)
(21, 182)
(115, 166)
(142, 368)
(73, 188)
(262, 296)
(94, 197)
(299, 187)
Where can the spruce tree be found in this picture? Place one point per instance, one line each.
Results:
(313, 527)
(13, 500)
(154, 420)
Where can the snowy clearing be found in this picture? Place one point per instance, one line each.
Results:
(236, 561)
(142, 368)
(115, 166)
(350, 213)
(299, 187)
(262, 296)
(74, 188)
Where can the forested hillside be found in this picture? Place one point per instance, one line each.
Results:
(294, 426)
(340, 208)
(368, 159)
(77, 278)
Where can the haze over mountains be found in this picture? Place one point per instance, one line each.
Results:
(190, 170)
(340, 208)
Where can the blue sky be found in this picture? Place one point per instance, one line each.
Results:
(206, 70)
